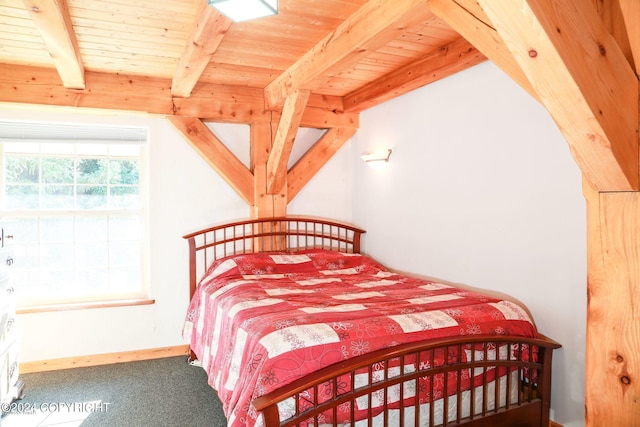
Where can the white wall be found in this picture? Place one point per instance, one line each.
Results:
(481, 189)
(185, 195)
(328, 193)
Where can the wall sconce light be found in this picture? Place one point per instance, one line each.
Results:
(378, 159)
(244, 10)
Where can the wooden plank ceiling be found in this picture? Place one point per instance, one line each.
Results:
(332, 48)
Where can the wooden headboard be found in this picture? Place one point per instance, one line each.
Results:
(291, 234)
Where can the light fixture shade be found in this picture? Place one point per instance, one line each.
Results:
(244, 10)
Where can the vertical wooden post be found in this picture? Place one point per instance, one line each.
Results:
(265, 205)
(261, 139)
(613, 308)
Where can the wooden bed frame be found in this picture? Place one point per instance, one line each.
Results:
(530, 376)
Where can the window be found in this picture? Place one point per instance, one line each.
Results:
(73, 196)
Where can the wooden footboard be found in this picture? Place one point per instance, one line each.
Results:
(336, 395)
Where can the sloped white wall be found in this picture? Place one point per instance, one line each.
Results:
(481, 189)
(185, 195)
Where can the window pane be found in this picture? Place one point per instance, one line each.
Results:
(57, 256)
(57, 170)
(125, 198)
(124, 228)
(26, 228)
(124, 172)
(21, 170)
(27, 258)
(92, 254)
(92, 197)
(57, 197)
(58, 283)
(125, 278)
(29, 280)
(124, 254)
(92, 171)
(22, 196)
(93, 281)
(91, 229)
(54, 229)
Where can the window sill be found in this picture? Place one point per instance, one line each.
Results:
(84, 305)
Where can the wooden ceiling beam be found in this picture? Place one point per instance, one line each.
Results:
(468, 19)
(370, 27)
(631, 14)
(284, 139)
(232, 104)
(208, 32)
(35, 85)
(242, 104)
(315, 158)
(53, 21)
(264, 205)
(216, 154)
(610, 12)
(221, 103)
(322, 119)
(438, 64)
(582, 78)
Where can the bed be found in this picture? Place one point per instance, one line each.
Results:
(295, 327)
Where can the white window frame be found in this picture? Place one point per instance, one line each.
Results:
(81, 134)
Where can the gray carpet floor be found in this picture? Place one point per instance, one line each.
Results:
(162, 392)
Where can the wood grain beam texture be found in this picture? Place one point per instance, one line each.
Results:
(265, 205)
(284, 139)
(208, 32)
(443, 62)
(230, 104)
(613, 309)
(582, 78)
(216, 154)
(630, 10)
(468, 19)
(53, 21)
(622, 20)
(41, 86)
(366, 30)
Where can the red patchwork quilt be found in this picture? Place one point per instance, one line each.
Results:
(260, 321)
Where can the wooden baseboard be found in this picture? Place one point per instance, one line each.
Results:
(102, 359)
(554, 424)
